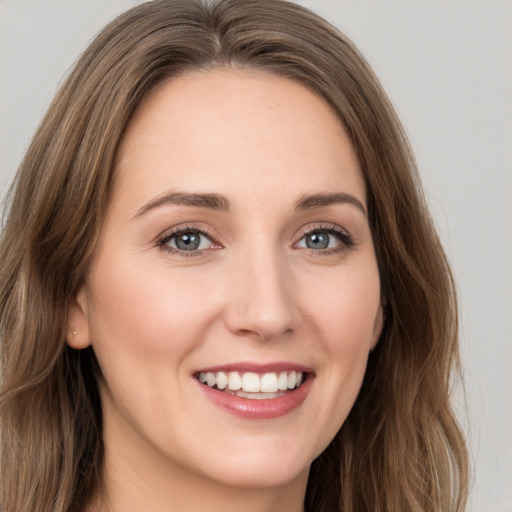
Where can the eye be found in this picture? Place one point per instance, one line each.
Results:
(187, 240)
(325, 239)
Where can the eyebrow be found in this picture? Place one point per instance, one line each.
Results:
(208, 201)
(311, 201)
(221, 203)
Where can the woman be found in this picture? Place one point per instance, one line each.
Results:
(220, 284)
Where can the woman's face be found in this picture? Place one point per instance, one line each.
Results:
(236, 249)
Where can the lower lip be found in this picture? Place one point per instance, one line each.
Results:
(259, 409)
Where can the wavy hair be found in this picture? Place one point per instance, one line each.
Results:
(400, 449)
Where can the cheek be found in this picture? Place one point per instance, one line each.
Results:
(346, 310)
(346, 317)
(149, 309)
(145, 321)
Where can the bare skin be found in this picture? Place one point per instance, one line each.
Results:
(237, 234)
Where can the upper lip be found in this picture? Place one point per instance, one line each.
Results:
(246, 366)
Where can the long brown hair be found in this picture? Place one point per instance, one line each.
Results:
(400, 448)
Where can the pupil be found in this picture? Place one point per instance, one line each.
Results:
(317, 241)
(188, 242)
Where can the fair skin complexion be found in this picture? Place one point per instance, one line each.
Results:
(236, 234)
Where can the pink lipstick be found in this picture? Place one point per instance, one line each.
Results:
(256, 391)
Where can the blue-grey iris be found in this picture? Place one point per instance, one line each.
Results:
(188, 241)
(317, 241)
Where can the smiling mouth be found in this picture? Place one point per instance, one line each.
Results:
(251, 385)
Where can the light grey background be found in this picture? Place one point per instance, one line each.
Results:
(447, 66)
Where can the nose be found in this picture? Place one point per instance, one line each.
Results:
(261, 301)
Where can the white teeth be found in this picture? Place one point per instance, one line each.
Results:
(222, 380)
(210, 379)
(250, 382)
(269, 383)
(292, 380)
(234, 381)
(282, 382)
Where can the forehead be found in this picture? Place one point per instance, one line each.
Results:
(226, 130)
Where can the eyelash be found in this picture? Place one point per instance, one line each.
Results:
(168, 236)
(346, 241)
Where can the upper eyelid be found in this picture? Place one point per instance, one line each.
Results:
(323, 226)
(176, 230)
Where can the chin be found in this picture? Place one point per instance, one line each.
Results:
(266, 464)
(261, 475)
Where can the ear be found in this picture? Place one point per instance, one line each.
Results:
(378, 324)
(78, 335)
